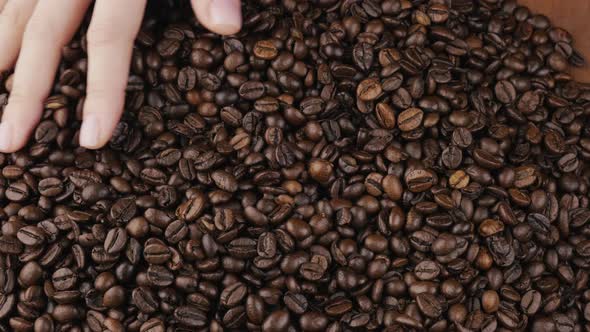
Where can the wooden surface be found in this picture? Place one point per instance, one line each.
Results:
(573, 16)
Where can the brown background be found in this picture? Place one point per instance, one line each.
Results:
(572, 15)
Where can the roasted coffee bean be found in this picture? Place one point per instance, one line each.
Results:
(369, 89)
(190, 316)
(419, 180)
(31, 235)
(63, 279)
(385, 115)
(187, 79)
(123, 210)
(115, 240)
(50, 187)
(265, 49)
(159, 276)
(276, 321)
(156, 253)
(429, 305)
(296, 303)
(252, 90)
(410, 119)
(337, 165)
(10, 245)
(320, 170)
(17, 192)
(224, 181)
(233, 295)
(505, 92)
(144, 299)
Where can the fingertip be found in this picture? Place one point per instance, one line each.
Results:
(220, 16)
(90, 132)
(6, 138)
(18, 121)
(13, 136)
(101, 113)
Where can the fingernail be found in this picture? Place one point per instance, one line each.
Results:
(226, 15)
(90, 132)
(5, 137)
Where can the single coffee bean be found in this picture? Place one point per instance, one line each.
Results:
(369, 89)
(17, 192)
(320, 170)
(296, 303)
(63, 279)
(385, 116)
(233, 295)
(265, 49)
(190, 316)
(187, 78)
(115, 240)
(410, 119)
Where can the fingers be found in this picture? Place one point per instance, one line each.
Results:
(221, 16)
(110, 43)
(13, 20)
(51, 26)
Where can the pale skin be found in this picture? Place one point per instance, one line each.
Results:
(33, 33)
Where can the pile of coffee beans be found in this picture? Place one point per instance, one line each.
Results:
(339, 165)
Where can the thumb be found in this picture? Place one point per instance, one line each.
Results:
(220, 16)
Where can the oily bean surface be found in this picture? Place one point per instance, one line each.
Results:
(335, 166)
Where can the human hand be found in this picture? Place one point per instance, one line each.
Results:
(35, 31)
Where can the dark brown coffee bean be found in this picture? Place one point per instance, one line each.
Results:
(505, 92)
(31, 235)
(429, 305)
(224, 181)
(17, 192)
(190, 316)
(192, 208)
(320, 170)
(265, 49)
(156, 253)
(336, 165)
(363, 56)
(64, 278)
(486, 159)
(159, 276)
(176, 231)
(123, 210)
(277, 321)
(233, 295)
(338, 307)
(10, 245)
(168, 47)
(187, 79)
(369, 89)
(427, 270)
(410, 119)
(419, 180)
(50, 187)
(115, 240)
(385, 116)
(296, 303)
